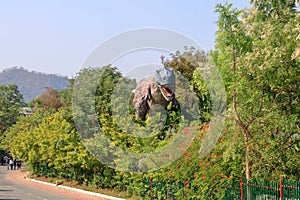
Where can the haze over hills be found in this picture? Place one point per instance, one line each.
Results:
(31, 83)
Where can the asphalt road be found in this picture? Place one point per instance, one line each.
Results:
(13, 191)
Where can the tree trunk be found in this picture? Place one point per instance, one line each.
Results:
(247, 162)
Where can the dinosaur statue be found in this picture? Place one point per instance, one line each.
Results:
(157, 89)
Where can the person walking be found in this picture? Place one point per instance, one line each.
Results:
(6, 159)
(11, 163)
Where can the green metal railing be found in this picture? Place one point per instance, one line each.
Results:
(242, 190)
(291, 190)
(156, 189)
(263, 190)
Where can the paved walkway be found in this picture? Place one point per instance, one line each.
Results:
(13, 191)
(15, 186)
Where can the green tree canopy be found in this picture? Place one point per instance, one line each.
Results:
(257, 60)
(11, 102)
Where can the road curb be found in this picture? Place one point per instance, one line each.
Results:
(77, 190)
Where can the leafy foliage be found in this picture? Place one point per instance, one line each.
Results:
(258, 58)
(257, 54)
(11, 102)
(50, 99)
(188, 65)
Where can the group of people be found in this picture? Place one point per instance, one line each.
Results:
(12, 164)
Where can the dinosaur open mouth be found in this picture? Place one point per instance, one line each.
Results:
(167, 92)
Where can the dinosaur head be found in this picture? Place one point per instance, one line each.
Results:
(165, 79)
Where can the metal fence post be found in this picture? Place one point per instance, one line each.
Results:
(150, 188)
(241, 189)
(281, 190)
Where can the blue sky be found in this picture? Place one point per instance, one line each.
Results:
(56, 36)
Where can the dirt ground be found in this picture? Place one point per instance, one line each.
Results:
(19, 177)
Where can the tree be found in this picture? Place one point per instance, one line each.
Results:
(269, 7)
(65, 95)
(255, 57)
(232, 43)
(187, 66)
(11, 102)
(50, 99)
(271, 66)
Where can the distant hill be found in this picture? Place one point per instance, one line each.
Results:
(32, 84)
